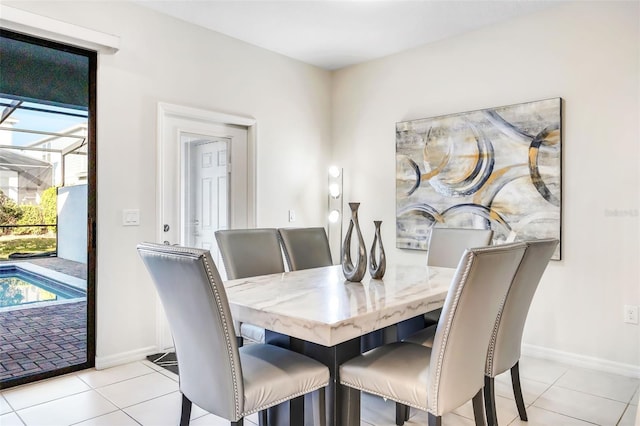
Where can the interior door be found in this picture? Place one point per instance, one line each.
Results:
(205, 165)
(205, 183)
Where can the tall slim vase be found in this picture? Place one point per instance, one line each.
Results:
(377, 266)
(354, 272)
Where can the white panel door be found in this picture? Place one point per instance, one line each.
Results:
(205, 182)
(205, 166)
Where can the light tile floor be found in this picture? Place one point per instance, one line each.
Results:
(140, 393)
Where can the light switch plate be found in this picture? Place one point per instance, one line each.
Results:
(130, 217)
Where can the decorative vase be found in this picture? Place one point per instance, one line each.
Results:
(354, 272)
(377, 267)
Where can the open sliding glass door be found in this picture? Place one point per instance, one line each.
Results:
(47, 208)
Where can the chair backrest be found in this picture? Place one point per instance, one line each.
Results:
(197, 309)
(250, 252)
(504, 348)
(469, 313)
(305, 248)
(446, 245)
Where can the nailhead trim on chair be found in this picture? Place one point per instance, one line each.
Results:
(385, 396)
(177, 250)
(293, 396)
(435, 385)
(494, 336)
(226, 333)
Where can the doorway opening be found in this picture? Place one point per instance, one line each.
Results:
(47, 208)
(205, 192)
(206, 182)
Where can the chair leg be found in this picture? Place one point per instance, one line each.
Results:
(296, 411)
(478, 409)
(434, 420)
(240, 341)
(263, 418)
(490, 401)
(238, 423)
(517, 391)
(185, 414)
(350, 414)
(401, 413)
(322, 407)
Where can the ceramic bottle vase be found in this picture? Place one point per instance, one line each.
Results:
(379, 265)
(354, 272)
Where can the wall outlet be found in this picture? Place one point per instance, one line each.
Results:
(292, 215)
(631, 314)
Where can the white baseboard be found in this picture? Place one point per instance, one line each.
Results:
(628, 370)
(124, 357)
(599, 364)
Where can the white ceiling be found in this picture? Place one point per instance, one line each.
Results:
(332, 34)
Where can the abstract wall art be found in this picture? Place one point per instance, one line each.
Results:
(497, 168)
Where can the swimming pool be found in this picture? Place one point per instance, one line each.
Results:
(25, 284)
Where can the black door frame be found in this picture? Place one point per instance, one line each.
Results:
(91, 222)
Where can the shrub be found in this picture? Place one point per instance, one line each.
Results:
(31, 215)
(48, 202)
(10, 213)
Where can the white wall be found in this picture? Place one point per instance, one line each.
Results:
(72, 213)
(588, 54)
(164, 59)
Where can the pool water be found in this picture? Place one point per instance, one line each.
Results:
(21, 287)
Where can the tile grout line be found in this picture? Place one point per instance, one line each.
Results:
(594, 395)
(550, 386)
(117, 381)
(106, 414)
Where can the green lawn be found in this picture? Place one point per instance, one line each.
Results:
(26, 244)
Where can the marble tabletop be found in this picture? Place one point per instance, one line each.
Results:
(318, 305)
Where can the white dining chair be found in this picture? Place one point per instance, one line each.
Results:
(506, 341)
(441, 378)
(503, 353)
(445, 248)
(214, 373)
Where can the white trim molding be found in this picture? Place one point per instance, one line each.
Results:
(103, 362)
(584, 361)
(29, 23)
(165, 111)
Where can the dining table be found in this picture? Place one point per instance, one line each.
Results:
(319, 313)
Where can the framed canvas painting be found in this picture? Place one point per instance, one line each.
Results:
(497, 168)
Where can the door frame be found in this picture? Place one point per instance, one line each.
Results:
(53, 42)
(167, 111)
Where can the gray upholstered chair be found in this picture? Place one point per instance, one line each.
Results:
(305, 248)
(442, 378)
(214, 373)
(506, 341)
(445, 248)
(504, 347)
(248, 253)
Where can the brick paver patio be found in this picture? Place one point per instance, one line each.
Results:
(39, 339)
(35, 340)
